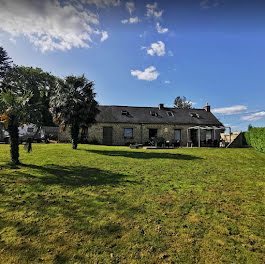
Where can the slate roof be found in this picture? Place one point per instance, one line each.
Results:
(142, 115)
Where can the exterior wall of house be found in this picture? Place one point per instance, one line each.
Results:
(140, 133)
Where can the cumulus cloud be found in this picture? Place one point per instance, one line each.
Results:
(53, 25)
(104, 36)
(152, 10)
(131, 20)
(157, 48)
(253, 117)
(98, 3)
(149, 74)
(130, 7)
(232, 110)
(161, 30)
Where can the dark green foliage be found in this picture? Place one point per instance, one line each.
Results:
(38, 85)
(255, 137)
(159, 141)
(249, 127)
(24, 96)
(74, 105)
(246, 135)
(182, 103)
(5, 62)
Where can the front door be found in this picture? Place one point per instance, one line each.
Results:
(107, 136)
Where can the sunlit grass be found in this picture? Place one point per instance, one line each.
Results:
(115, 205)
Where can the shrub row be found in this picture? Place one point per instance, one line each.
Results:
(255, 137)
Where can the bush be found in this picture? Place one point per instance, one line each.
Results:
(256, 138)
(246, 135)
(129, 143)
(159, 141)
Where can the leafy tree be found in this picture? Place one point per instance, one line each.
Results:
(249, 127)
(42, 85)
(74, 105)
(182, 103)
(23, 92)
(5, 62)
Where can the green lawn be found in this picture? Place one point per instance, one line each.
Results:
(115, 205)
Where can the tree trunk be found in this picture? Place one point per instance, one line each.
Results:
(74, 135)
(14, 140)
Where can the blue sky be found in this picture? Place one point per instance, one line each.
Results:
(143, 53)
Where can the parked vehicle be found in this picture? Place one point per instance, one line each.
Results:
(31, 131)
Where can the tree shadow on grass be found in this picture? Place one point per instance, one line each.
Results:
(144, 155)
(74, 176)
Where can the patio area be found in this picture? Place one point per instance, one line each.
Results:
(206, 136)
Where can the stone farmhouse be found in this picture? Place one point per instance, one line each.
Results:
(123, 125)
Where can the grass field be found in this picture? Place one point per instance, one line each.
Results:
(115, 205)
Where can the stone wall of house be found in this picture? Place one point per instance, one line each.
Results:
(140, 133)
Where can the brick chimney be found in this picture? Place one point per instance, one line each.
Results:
(161, 106)
(207, 108)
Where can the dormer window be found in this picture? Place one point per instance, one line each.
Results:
(153, 113)
(124, 112)
(170, 113)
(194, 115)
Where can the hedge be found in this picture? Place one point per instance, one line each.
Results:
(255, 137)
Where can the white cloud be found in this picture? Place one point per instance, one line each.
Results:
(254, 117)
(167, 82)
(232, 110)
(152, 10)
(131, 20)
(149, 74)
(130, 6)
(161, 30)
(157, 48)
(229, 125)
(51, 24)
(104, 36)
(98, 3)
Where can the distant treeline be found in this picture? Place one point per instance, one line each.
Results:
(255, 137)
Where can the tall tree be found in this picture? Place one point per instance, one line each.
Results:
(74, 105)
(5, 62)
(182, 103)
(21, 101)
